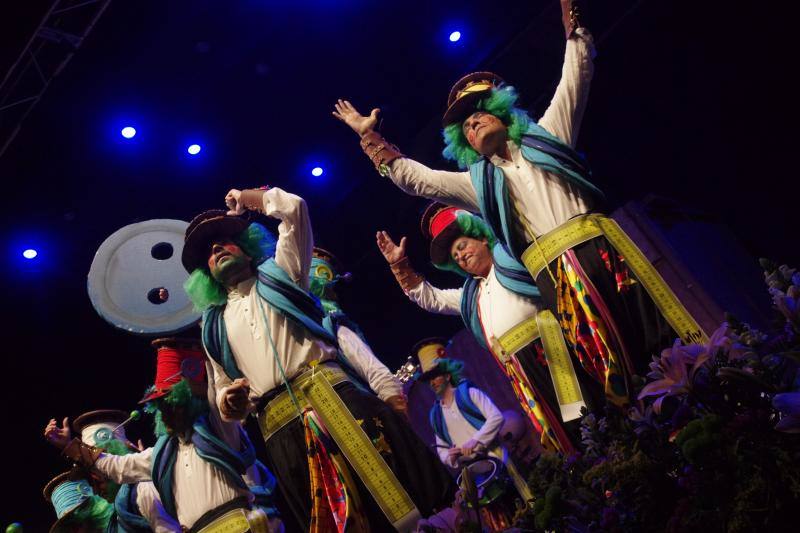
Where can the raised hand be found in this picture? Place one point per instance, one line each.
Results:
(350, 116)
(232, 200)
(58, 436)
(391, 252)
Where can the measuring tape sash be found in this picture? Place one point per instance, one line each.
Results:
(559, 363)
(518, 337)
(239, 521)
(586, 227)
(357, 448)
(281, 410)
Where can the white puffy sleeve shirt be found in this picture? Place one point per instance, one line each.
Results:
(542, 200)
(460, 430)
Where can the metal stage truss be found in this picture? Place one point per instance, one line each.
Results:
(63, 29)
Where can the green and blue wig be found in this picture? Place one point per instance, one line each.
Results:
(180, 395)
(204, 291)
(471, 226)
(499, 103)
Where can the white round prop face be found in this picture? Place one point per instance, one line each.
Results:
(136, 279)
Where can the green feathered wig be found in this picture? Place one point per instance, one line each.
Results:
(471, 226)
(180, 395)
(446, 366)
(500, 104)
(204, 291)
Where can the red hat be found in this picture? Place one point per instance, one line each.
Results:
(466, 93)
(178, 359)
(440, 224)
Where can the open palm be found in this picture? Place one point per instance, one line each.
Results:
(350, 116)
(391, 251)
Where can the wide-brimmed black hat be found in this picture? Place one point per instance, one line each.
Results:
(466, 93)
(212, 224)
(439, 223)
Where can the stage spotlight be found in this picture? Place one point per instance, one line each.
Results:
(455, 36)
(193, 149)
(128, 132)
(316, 172)
(30, 253)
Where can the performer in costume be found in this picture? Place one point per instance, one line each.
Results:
(78, 509)
(466, 423)
(324, 274)
(267, 343)
(202, 475)
(137, 506)
(534, 191)
(464, 419)
(494, 302)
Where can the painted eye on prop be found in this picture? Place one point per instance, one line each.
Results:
(191, 368)
(83, 488)
(102, 436)
(324, 272)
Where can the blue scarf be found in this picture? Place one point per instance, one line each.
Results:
(464, 404)
(129, 518)
(542, 149)
(276, 287)
(210, 448)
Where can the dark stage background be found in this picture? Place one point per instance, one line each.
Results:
(691, 100)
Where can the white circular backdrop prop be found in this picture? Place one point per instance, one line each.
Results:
(136, 279)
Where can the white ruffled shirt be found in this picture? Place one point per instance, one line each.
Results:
(460, 430)
(252, 337)
(499, 308)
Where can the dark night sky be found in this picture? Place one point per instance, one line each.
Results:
(691, 100)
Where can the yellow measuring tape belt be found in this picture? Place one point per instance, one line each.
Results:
(559, 363)
(518, 337)
(281, 410)
(666, 301)
(581, 229)
(356, 446)
(554, 243)
(239, 521)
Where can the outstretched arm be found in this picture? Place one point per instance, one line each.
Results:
(419, 291)
(452, 188)
(295, 237)
(367, 365)
(563, 117)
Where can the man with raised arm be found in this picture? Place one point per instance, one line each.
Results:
(343, 458)
(534, 190)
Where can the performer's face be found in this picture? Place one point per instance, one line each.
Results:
(227, 262)
(174, 418)
(439, 384)
(485, 132)
(472, 255)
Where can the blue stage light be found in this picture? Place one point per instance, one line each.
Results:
(455, 36)
(30, 253)
(194, 149)
(128, 132)
(316, 171)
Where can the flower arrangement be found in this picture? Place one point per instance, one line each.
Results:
(712, 443)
